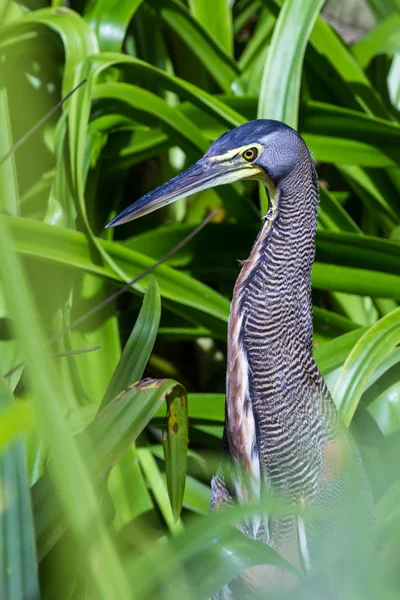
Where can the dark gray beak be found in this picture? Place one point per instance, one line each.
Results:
(203, 174)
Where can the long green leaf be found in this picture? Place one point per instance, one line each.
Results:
(355, 281)
(337, 67)
(68, 471)
(78, 38)
(280, 88)
(159, 489)
(383, 39)
(175, 443)
(365, 252)
(110, 21)
(217, 21)
(71, 248)
(332, 354)
(197, 542)
(139, 345)
(350, 152)
(366, 355)
(9, 200)
(368, 186)
(336, 121)
(207, 49)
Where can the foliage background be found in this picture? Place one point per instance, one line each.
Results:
(91, 506)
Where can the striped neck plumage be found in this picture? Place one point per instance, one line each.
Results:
(276, 278)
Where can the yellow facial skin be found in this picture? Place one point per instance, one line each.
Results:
(249, 169)
(236, 153)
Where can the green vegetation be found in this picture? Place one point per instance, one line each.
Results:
(95, 501)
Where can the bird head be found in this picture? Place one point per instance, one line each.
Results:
(262, 150)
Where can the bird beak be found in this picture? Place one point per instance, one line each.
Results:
(203, 174)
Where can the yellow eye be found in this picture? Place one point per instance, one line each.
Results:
(250, 154)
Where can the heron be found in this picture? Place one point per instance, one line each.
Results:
(282, 433)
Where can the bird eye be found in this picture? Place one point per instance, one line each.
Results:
(250, 154)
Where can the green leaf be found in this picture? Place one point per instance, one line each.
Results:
(139, 345)
(18, 573)
(207, 49)
(383, 39)
(336, 121)
(257, 46)
(368, 186)
(9, 200)
(330, 324)
(175, 444)
(222, 561)
(332, 215)
(357, 88)
(366, 252)
(218, 21)
(366, 355)
(337, 67)
(342, 151)
(218, 547)
(17, 418)
(77, 37)
(111, 433)
(142, 101)
(110, 21)
(332, 354)
(72, 249)
(355, 281)
(123, 419)
(172, 334)
(383, 8)
(197, 496)
(204, 407)
(156, 483)
(385, 406)
(280, 88)
(68, 470)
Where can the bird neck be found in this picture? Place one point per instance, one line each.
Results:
(270, 325)
(275, 281)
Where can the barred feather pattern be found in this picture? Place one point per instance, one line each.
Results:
(282, 427)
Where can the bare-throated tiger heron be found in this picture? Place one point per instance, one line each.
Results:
(282, 430)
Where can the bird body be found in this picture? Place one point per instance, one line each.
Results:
(282, 433)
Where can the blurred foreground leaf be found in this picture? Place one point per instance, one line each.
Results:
(104, 442)
(18, 570)
(68, 470)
